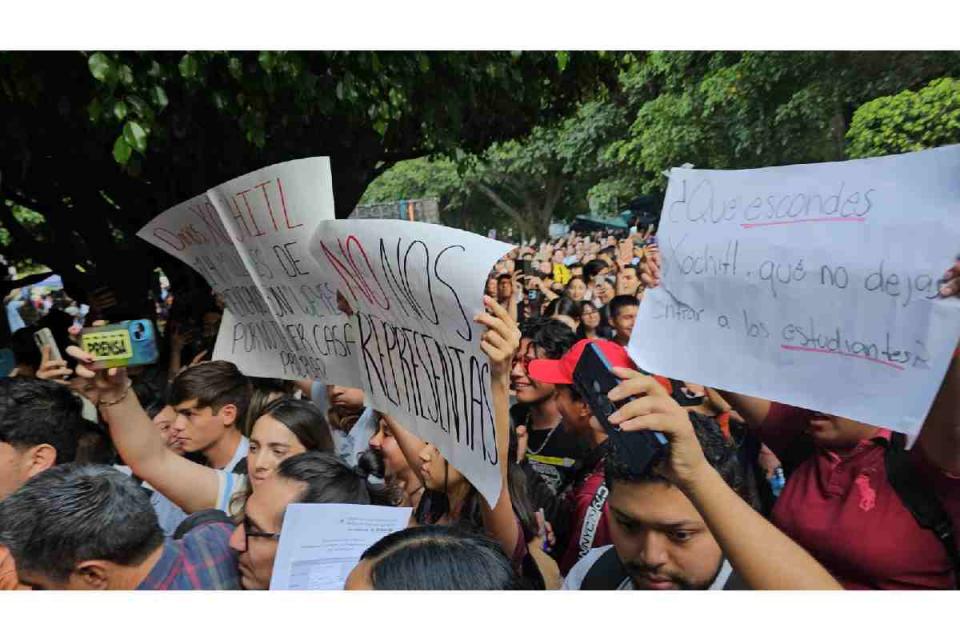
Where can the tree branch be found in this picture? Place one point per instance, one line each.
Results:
(499, 202)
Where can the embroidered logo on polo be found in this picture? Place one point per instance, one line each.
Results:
(868, 495)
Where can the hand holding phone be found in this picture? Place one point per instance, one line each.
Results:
(594, 379)
(129, 343)
(645, 406)
(44, 338)
(52, 365)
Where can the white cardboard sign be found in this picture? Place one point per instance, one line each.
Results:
(814, 285)
(249, 238)
(416, 288)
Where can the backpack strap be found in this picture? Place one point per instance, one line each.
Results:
(200, 518)
(606, 574)
(591, 520)
(920, 499)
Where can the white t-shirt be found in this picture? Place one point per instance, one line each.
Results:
(232, 484)
(579, 571)
(348, 446)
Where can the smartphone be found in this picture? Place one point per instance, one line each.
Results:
(593, 380)
(525, 267)
(44, 338)
(129, 343)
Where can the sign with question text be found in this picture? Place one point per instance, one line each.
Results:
(813, 285)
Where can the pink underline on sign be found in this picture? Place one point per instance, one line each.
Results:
(750, 225)
(789, 347)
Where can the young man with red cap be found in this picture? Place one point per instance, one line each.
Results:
(587, 495)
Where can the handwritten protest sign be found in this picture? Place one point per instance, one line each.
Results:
(416, 288)
(813, 285)
(249, 238)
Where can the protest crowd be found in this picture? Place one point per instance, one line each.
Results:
(178, 475)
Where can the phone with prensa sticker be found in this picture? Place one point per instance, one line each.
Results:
(129, 343)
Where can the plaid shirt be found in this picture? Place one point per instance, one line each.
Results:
(203, 559)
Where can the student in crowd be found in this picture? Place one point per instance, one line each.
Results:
(449, 498)
(628, 280)
(288, 427)
(576, 289)
(26, 357)
(839, 501)
(40, 424)
(403, 480)
(592, 325)
(89, 527)
(591, 270)
(505, 289)
(169, 515)
(491, 287)
(684, 524)
(609, 253)
(434, 558)
(623, 315)
(263, 391)
(587, 526)
(211, 401)
(550, 448)
(565, 310)
(603, 293)
(313, 477)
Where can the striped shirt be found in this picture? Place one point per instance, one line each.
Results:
(202, 560)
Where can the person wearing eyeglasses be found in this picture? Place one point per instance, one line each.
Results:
(592, 324)
(91, 527)
(314, 477)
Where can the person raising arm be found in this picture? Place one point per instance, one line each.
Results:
(857, 482)
(189, 485)
(760, 553)
(500, 341)
(449, 497)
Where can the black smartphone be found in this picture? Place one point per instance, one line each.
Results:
(593, 380)
(525, 267)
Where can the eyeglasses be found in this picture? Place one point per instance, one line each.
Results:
(253, 531)
(590, 312)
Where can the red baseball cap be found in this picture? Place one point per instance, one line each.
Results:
(561, 371)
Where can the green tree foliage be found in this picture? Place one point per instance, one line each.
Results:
(547, 175)
(907, 121)
(99, 143)
(748, 109)
(523, 183)
(439, 178)
(414, 179)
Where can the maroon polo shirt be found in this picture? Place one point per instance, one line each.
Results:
(846, 514)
